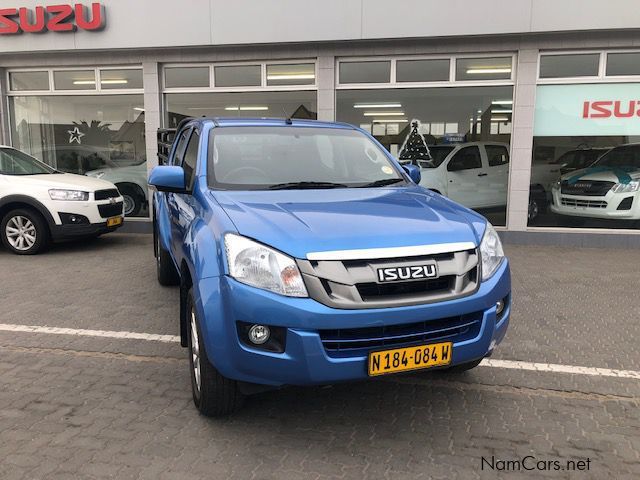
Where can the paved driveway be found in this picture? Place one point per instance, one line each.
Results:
(80, 406)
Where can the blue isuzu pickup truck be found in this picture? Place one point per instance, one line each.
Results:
(306, 255)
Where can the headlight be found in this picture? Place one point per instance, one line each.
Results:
(626, 187)
(491, 252)
(263, 267)
(74, 195)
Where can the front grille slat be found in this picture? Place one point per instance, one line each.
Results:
(587, 188)
(110, 210)
(574, 202)
(106, 194)
(359, 341)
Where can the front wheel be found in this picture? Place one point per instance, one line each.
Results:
(213, 394)
(24, 232)
(133, 200)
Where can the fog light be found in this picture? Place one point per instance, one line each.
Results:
(499, 307)
(259, 334)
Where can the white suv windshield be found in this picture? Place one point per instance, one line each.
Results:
(260, 158)
(623, 156)
(15, 162)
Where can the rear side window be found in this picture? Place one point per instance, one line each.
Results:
(497, 155)
(191, 159)
(467, 158)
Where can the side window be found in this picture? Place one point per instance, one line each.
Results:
(190, 159)
(497, 155)
(182, 143)
(467, 158)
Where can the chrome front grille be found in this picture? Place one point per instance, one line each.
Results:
(575, 202)
(351, 284)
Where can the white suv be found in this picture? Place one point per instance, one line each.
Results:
(38, 204)
(610, 188)
(475, 174)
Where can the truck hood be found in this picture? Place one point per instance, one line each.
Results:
(602, 174)
(68, 181)
(298, 222)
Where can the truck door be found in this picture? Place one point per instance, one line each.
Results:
(465, 177)
(498, 169)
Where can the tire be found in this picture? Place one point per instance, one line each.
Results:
(133, 200)
(166, 270)
(24, 232)
(213, 394)
(534, 210)
(463, 367)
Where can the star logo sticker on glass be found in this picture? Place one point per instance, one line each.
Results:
(75, 135)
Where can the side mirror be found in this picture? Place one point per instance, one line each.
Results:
(413, 172)
(168, 178)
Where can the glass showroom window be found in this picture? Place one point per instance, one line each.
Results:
(586, 156)
(459, 135)
(300, 104)
(100, 135)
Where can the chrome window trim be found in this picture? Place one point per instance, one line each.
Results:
(392, 252)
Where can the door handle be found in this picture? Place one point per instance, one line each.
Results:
(483, 174)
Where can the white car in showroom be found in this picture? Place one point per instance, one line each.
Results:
(610, 188)
(39, 204)
(475, 174)
(131, 180)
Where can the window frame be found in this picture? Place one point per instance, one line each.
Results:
(98, 90)
(601, 77)
(451, 82)
(263, 87)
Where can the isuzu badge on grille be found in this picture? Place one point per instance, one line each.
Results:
(399, 274)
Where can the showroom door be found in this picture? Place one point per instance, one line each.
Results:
(467, 181)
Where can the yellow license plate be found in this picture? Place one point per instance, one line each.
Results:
(410, 358)
(113, 221)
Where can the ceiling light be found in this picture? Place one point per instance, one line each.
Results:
(293, 76)
(84, 82)
(247, 108)
(499, 119)
(473, 71)
(377, 105)
(140, 109)
(502, 102)
(501, 111)
(389, 120)
(114, 82)
(381, 114)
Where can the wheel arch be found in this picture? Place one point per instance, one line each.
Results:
(186, 282)
(11, 202)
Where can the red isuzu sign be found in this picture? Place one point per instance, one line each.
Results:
(609, 108)
(51, 18)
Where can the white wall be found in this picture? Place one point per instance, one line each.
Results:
(168, 23)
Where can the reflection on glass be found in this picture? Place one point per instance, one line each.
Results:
(422, 70)
(238, 76)
(186, 77)
(458, 136)
(496, 68)
(74, 80)
(572, 65)
(365, 72)
(29, 81)
(245, 104)
(99, 136)
(121, 79)
(623, 64)
(298, 74)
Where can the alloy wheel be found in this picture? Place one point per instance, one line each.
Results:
(21, 233)
(195, 350)
(129, 204)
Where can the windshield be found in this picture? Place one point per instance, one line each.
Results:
(624, 156)
(438, 154)
(260, 158)
(15, 162)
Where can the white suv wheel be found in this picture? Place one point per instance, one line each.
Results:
(21, 233)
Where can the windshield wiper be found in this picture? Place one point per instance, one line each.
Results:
(305, 185)
(381, 183)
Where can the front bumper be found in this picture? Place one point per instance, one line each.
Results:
(593, 207)
(222, 301)
(93, 214)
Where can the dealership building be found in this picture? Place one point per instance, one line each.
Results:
(510, 107)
